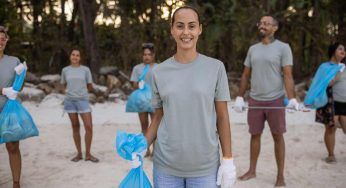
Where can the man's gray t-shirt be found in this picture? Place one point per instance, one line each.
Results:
(76, 80)
(7, 75)
(266, 62)
(187, 140)
(339, 88)
(137, 72)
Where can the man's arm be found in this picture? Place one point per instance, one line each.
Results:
(244, 81)
(289, 82)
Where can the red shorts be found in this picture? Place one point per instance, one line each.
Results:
(274, 117)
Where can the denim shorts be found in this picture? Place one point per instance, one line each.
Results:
(76, 106)
(164, 180)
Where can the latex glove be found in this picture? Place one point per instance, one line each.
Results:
(136, 162)
(9, 93)
(141, 84)
(293, 105)
(226, 174)
(20, 68)
(239, 104)
(342, 67)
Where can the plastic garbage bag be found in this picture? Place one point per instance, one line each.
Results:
(140, 99)
(316, 96)
(15, 121)
(126, 145)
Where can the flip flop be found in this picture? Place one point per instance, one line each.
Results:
(76, 159)
(92, 159)
(330, 160)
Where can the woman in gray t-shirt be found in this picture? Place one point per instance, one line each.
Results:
(7, 75)
(77, 80)
(190, 94)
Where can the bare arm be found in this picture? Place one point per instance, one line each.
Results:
(244, 81)
(135, 85)
(90, 87)
(289, 82)
(154, 126)
(224, 128)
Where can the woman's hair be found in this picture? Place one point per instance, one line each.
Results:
(186, 7)
(332, 48)
(148, 45)
(4, 31)
(75, 49)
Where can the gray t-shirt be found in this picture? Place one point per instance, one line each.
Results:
(187, 140)
(7, 75)
(137, 71)
(76, 79)
(339, 88)
(266, 62)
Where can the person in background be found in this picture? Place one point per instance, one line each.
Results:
(7, 76)
(148, 58)
(269, 64)
(78, 80)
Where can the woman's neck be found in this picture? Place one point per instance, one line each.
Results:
(75, 65)
(1, 54)
(334, 60)
(185, 56)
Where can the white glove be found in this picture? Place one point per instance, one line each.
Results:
(293, 105)
(239, 104)
(9, 93)
(226, 174)
(20, 68)
(136, 162)
(342, 67)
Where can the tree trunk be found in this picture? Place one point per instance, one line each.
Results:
(87, 10)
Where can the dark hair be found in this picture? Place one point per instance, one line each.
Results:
(75, 49)
(186, 7)
(332, 48)
(275, 20)
(4, 30)
(148, 45)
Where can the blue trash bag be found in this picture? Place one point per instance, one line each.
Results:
(140, 99)
(316, 96)
(15, 121)
(126, 145)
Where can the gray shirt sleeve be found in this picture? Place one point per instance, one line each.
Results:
(88, 76)
(286, 58)
(247, 61)
(63, 77)
(156, 99)
(222, 89)
(134, 75)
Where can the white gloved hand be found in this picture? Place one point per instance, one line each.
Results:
(20, 68)
(136, 162)
(342, 67)
(293, 105)
(239, 104)
(9, 93)
(226, 174)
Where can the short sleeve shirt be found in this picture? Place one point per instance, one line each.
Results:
(76, 80)
(187, 139)
(137, 72)
(266, 63)
(339, 88)
(7, 75)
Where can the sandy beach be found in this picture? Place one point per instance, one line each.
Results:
(46, 159)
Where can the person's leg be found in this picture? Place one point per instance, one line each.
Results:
(76, 135)
(279, 148)
(87, 121)
(202, 182)
(163, 180)
(144, 120)
(15, 162)
(342, 121)
(329, 140)
(255, 148)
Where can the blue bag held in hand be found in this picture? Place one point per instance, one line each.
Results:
(140, 99)
(15, 121)
(316, 96)
(126, 145)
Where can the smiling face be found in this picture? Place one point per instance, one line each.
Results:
(186, 29)
(3, 41)
(75, 57)
(267, 26)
